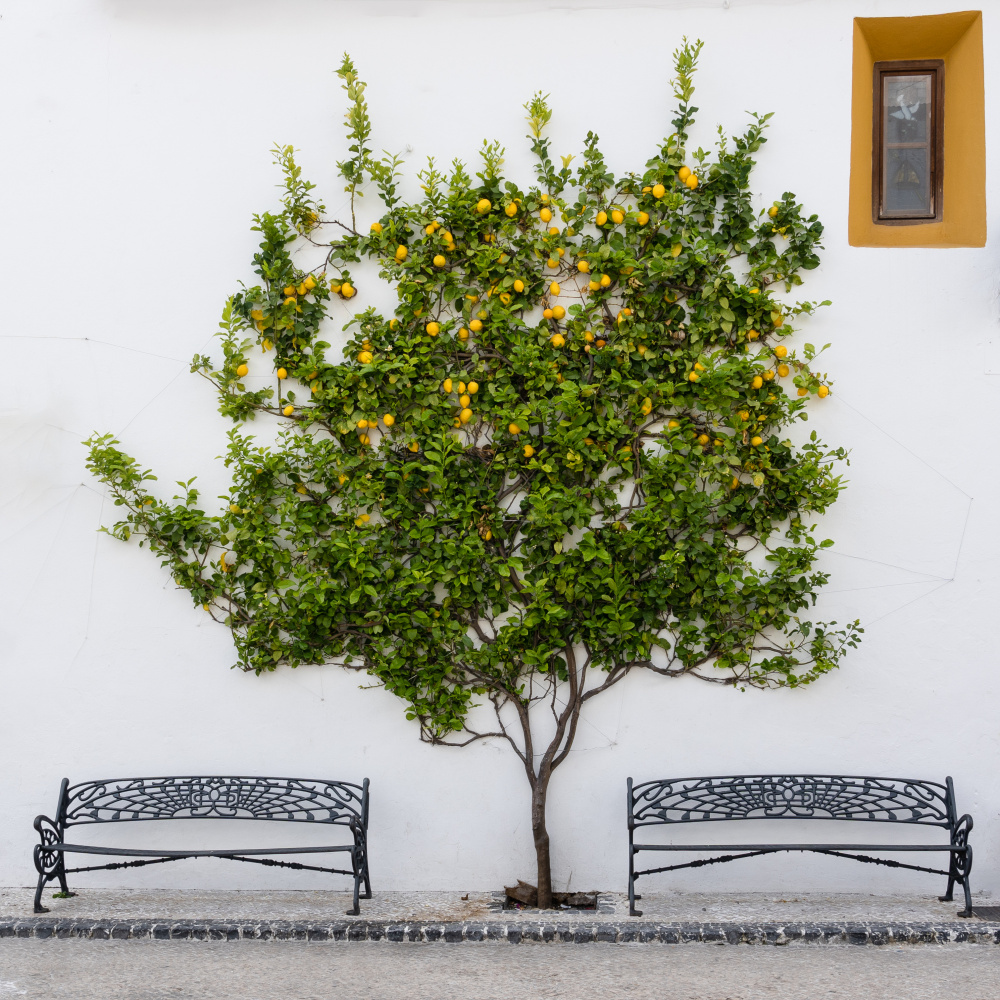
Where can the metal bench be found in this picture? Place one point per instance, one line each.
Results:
(127, 800)
(801, 796)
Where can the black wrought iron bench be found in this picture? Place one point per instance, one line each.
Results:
(801, 796)
(127, 800)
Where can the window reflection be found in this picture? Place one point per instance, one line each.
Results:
(907, 150)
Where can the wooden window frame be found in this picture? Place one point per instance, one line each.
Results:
(902, 67)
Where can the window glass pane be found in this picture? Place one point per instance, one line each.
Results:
(905, 107)
(906, 189)
(907, 145)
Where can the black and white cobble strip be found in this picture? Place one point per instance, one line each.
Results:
(512, 931)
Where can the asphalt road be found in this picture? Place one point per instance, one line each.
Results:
(155, 970)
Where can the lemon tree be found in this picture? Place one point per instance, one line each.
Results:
(563, 458)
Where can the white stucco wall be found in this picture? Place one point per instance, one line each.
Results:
(135, 148)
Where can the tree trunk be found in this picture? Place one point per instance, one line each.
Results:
(539, 793)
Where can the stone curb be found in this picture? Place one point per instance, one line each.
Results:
(514, 932)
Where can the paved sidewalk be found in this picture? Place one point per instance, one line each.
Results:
(668, 918)
(151, 970)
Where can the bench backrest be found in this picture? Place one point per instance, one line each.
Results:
(297, 800)
(791, 796)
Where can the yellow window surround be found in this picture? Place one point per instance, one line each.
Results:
(956, 38)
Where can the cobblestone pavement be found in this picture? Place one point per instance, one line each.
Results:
(153, 970)
(671, 907)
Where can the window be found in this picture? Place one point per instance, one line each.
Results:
(908, 141)
(918, 181)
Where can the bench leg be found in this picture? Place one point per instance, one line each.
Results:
(356, 865)
(958, 871)
(38, 894)
(632, 897)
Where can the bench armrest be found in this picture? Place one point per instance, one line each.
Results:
(960, 834)
(46, 860)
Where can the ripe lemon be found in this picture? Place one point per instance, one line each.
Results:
(300, 488)
(466, 415)
(376, 227)
(545, 215)
(513, 429)
(692, 376)
(783, 371)
(647, 406)
(673, 425)
(552, 262)
(558, 312)
(281, 373)
(593, 285)
(483, 206)
(463, 334)
(447, 237)
(364, 439)
(301, 289)
(602, 218)
(544, 199)
(401, 252)
(547, 313)
(659, 190)
(464, 399)
(803, 392)
(439, 260)
(518, 286)
(413, 446)
(768, 375)
(617, 217)
(365, 357)
(388, 419)
(362, 424)
(605, 281)
(675, 250)
(582, 266)
(233, 507)
(698, 366)
(557, 340)
(642, 218)
(242, 371)
(288, 410)
(588, 336)
(757, 382)
(823, 391)
(692, 181)
(472, 388)
(781, 351)
(528, 451)
(347, 290)
(684, 173)
(703, 439)
(461, 387)
(773, 210)
(553, 231)
(310, 282)
(433, 329)
(752, 334)
(289, 291)
(475, 326)
(510, 211)
(393, 323)
(554, 288)
(756, 441)
(446, 385)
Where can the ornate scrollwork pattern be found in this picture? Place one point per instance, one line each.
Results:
(46, 860)
(887, 800)
(200, 797)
